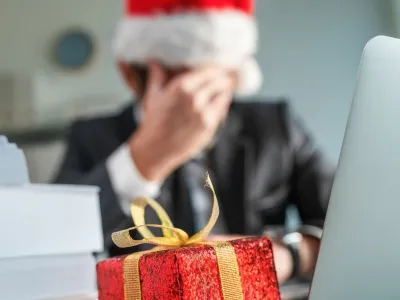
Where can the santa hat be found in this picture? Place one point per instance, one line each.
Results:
(190, 33)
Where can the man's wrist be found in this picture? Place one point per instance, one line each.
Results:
(302, 247)
(126, 180)
(308, 252)
(149, 160)
(283, 261)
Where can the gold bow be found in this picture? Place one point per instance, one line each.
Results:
(175, 238)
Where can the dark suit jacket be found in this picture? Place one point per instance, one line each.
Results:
(262, 161)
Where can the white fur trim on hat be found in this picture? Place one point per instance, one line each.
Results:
(228, 38)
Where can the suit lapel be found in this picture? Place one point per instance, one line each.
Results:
(229, 160)
(126, 123)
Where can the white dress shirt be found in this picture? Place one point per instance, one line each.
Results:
(126, 179)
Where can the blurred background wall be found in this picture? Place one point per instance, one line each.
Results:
(309, 51)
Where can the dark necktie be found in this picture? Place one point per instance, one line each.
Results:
(183, 211)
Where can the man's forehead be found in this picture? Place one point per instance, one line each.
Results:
(183, 69)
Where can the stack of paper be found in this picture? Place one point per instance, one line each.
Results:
(48, 235)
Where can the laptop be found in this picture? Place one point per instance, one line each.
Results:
(360, 250)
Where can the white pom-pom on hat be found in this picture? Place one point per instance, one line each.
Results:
(250, 78)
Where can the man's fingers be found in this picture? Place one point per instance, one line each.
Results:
(221, 102)
(218, 108)
(195, 80)
(156, 79)
(190, 82)
(209, 91)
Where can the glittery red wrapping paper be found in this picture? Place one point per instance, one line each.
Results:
(192, 273)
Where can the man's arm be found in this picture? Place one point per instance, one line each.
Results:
(127, 181)
(312, 181)
(117, 178)
(308, 252)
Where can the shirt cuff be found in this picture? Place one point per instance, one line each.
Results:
(126, 179)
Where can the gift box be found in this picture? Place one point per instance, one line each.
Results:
(192, 273)
(183, 268)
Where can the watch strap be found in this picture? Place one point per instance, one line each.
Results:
(292, 242)
(295, 253)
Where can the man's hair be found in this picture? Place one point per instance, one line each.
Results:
(139, 73)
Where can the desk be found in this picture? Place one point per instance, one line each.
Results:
(295, 290)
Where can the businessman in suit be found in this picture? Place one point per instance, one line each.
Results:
(185, 122)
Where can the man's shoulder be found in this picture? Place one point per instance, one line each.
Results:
(90, 125)
(99, 123)
(262, 112)
(262, 106)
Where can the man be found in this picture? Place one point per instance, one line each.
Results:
(185, 64)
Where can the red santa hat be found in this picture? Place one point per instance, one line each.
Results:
(190, 33)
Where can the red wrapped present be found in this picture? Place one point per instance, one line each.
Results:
(183, 268)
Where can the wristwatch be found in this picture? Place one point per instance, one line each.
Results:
(292, 241)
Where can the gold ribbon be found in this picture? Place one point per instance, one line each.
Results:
(175, 238)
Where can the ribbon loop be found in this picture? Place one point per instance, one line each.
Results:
(138, 207)
(172, 237)
(123, 238)
(202, 234)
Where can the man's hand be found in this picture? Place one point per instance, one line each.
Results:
(282, 257)
(180, 118)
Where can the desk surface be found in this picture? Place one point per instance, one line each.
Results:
(290, 291)
(295, 290)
